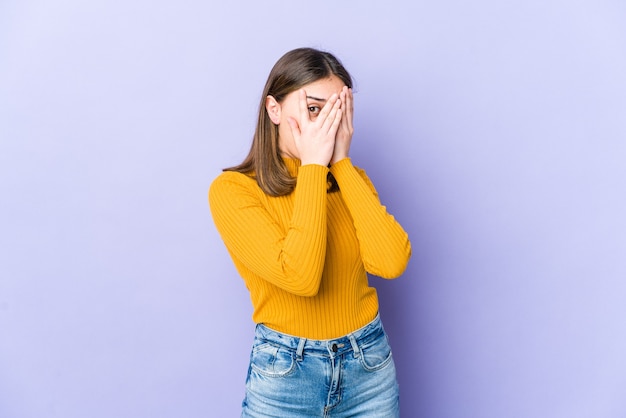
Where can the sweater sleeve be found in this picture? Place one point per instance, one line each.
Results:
(291, 258)
(385, 246)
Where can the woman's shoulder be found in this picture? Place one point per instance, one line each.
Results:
(230, 190)
(230, 176)
(228, 182)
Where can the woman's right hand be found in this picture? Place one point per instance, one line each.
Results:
(315, 139)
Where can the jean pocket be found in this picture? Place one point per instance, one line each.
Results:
(376, 355)
(272, 360)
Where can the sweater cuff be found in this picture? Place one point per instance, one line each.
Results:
(341, 167)
(312, 175)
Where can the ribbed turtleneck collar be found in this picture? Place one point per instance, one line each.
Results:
(293, 165)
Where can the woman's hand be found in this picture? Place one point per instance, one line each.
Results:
(346, 129)
(315, 139)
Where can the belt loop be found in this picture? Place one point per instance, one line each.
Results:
(300, 349)
(355, 346)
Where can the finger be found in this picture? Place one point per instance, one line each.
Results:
(345, 106)
(332, 114)
(344, 93)
(348, 106)
(334, 119)
(295, 129)
(328, 107)
(336, 122)
(304, 111)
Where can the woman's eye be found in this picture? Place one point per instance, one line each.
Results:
(314, 109)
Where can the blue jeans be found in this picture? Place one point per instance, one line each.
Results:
(351, 376)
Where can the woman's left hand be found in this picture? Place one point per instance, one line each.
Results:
(345, 131)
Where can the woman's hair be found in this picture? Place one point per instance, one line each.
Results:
(292, 71)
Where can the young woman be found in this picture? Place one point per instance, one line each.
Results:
(304, 227)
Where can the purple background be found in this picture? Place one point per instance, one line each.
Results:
(495, 132)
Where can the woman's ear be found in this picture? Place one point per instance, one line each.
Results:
(273, 109)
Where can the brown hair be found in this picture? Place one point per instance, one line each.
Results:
(291, 72)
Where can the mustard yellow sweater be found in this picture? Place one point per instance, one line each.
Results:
(304, 256)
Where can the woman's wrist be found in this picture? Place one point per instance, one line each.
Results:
(338, 158)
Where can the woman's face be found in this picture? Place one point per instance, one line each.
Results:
(317, 94)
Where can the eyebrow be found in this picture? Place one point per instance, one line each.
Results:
(315, 98)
